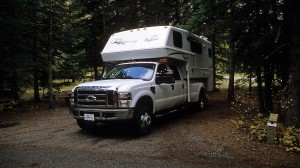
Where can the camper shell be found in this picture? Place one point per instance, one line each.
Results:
(154, 43)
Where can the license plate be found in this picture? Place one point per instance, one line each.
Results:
(89, 117)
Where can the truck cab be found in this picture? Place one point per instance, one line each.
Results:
(151, 74)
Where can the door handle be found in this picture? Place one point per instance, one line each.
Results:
(172, 86)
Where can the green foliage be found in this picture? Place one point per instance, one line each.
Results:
(79, 31)
(25, 43)
(249, 118)
(256, 127)
(289, 137)
(7, 106)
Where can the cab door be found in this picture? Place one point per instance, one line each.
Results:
(169, 92)
(179, 86)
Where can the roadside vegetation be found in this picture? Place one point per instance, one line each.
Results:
(61, 91)
(252, 122)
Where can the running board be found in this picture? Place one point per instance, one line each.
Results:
(169, 111)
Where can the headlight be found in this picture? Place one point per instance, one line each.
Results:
(71, 98)
(71, 95)
(124, 96)
(124, 99)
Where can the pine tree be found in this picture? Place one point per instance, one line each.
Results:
(293, 16)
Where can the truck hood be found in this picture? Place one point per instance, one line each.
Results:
(114, 84)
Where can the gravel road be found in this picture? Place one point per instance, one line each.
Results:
(42, 138)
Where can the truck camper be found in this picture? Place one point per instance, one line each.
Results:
(156, 69)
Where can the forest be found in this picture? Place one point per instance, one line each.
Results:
(46, 40)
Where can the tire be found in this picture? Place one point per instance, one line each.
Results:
(88, 126)
(200, 105)
(143, 120)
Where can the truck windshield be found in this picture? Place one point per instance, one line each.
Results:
(131, 71)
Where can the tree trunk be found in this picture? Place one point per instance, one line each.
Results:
(250, 80)
(96, 73)
(95, 48)
(133, 20)
(35, 54)
(177, 13)
(50, 61)
(269, 76)
(260, 94)
(231, 74)
(14, 86)
(213, 46)
(232, 55)
(293, 17)
(36, 90)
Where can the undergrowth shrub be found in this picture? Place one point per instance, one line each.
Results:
(7, 106)
(254, 123)
(249, 118)
(289, 137)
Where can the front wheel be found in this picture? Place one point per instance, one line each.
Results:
(88, 126)
(143, 120)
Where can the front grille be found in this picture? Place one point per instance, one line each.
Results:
(94, 96)
(75, 113)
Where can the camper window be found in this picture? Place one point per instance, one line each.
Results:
(177, 39)
(196, 47)
(209, 53)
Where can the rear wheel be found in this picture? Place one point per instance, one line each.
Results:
(201, 101)
(143, 119)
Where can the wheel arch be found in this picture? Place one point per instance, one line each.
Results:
(201, 91)
(198, 89)
(145, 100)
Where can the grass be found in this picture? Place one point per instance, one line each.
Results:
(59, 86)
(241, 82)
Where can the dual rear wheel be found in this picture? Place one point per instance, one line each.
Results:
(201, 103)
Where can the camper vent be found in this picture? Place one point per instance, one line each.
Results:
(203, 37)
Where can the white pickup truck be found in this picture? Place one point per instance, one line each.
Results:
(148, 70)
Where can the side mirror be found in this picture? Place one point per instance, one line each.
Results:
(166, 77)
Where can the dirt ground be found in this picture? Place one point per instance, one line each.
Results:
(32, 136)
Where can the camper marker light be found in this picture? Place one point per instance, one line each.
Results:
(163, 60)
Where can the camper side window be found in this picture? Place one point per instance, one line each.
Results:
(196, 47)
(209, 53)
(177, 39)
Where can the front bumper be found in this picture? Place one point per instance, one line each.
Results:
(102, 114)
